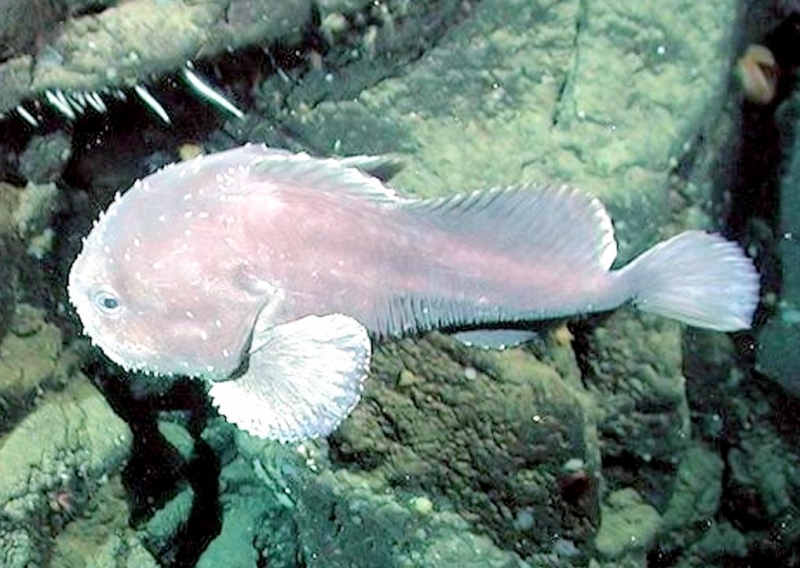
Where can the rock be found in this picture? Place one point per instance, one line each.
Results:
(721, 540)
(286, 506)
(633, 368)
(534, 91)
(56, 458)
(695, 501)
(629, 525)
(45, 158)
(30, 356)
(19, 547)
(37, 203)
(485, 443)
(605, 95)
(10, 253)
(164, 527)
(778, 356)
(119, 552)
(763, 472)
(102, 539)
(137, 40)
(258, 502)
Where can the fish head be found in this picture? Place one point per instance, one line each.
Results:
(157, 324)
(105, 300)
(159, 291)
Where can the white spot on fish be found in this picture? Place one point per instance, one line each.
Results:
(226, 353)
(210, 368)
(162, 218)
(188, 215)
(187, 232)
(156, 265)
(202, 215)
(189, 315)
(187, 196)
(137, 242)
(203, 335)
(218, 323)
(126, 256)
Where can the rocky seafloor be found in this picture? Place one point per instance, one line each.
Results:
(619, 440)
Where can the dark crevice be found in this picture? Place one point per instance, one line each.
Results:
(750, 171)
(156, 472)
(566, 83)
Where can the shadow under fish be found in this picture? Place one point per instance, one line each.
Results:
(269, 273)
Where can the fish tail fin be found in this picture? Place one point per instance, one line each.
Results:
(697, 278)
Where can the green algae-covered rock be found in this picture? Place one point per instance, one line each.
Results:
(698, 487)
(604, 95)
(500, 435)
(629, 525)
(633, 370)
(287, 505)
(778, 353)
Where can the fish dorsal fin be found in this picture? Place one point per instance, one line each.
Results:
(327, 174)
(556, 229)
(529, 220)
(383, 167)
(302, 379)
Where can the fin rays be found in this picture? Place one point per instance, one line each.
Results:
(528, 221)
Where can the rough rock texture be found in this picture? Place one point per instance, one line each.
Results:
(608, 96)
(778, 355)
(632, 368)
(494, 433)
(60, 442)
(141, 39)
(52, 463)
(552, 455)
(10, 251)
(287, 506)
(101, 537)
(31, 349)
(629, 526)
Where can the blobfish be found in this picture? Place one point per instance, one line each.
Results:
(270, 273)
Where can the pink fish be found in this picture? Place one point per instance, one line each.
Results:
(269, 273)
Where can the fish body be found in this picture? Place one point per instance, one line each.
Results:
(292, 264)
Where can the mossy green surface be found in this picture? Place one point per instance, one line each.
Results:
(629, 525)
(490, 432)
(605, 96)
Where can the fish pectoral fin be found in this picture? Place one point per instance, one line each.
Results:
(303, 379)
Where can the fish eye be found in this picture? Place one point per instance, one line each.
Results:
(107, 302)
